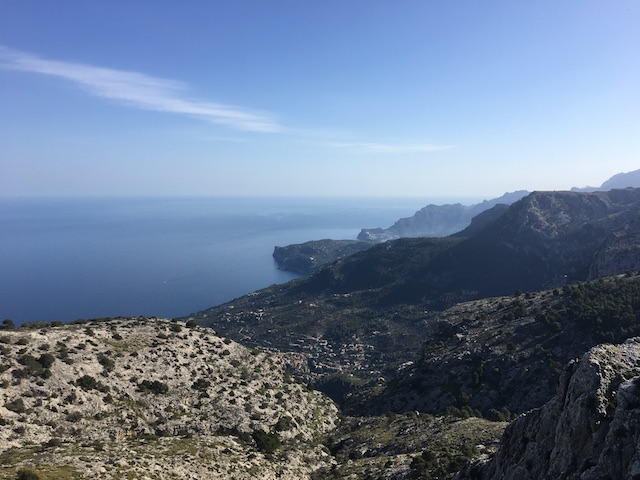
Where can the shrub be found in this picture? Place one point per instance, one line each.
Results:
(201, 384)
(108, 363)
(266, 442)
(74, 417)
(502, 415)
(155, 387)
(36, 367)
(16, 406)
(284, 424)
(7, 324)
(27, 474)
(87, 382)
(54, 442)
(46, 360)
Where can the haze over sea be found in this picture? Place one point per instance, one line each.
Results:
(71, 258)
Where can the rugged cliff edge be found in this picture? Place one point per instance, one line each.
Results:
(309, 257)
(589, 430)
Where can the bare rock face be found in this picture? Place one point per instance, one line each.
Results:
(590, 430)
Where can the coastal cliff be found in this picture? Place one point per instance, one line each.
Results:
(309, 257)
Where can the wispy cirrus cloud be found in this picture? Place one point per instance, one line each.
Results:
(139, 90)
(371, 147)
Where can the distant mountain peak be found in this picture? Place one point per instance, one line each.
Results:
(437, 220)
(620, 180)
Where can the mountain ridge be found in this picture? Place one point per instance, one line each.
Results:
(437, 220)
(431, 220)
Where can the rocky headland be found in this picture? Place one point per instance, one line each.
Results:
(309, 257)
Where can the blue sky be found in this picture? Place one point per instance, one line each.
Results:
(284, 97)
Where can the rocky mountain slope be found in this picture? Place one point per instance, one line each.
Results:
(370, 312)
(444, 220)
(385, 332)
(156, 399)
(138, 398)
(504, 354)
(437, 220)
(589, 430)
(430, 221)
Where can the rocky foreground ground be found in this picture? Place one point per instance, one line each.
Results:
(157, 399)
(153, 399)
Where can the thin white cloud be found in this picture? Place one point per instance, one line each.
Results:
(365, 147)
(139, 90)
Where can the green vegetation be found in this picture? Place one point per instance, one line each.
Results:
(420, 445)
(107, 362)
(28, 474)
(87, 382)
(201, 384)
(38, 367)
(155, 387)
(16, 406)
(609, 308)
(7, 324)
(267, 442)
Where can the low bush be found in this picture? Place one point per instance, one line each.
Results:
(87, 382)
(27, 474)
(155, 387)
(266, 442)
(16, 406)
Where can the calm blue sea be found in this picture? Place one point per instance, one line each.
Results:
(70, 258)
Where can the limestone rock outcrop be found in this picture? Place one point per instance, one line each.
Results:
(590, 430)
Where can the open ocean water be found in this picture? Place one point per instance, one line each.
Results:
(71, 258)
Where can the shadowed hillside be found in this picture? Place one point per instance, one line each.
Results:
(370, 311)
